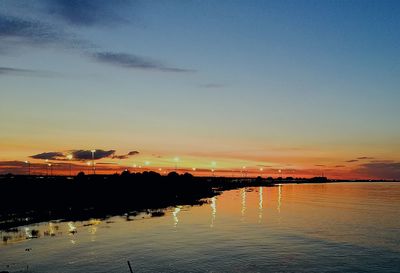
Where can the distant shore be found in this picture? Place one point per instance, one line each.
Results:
(32, 199)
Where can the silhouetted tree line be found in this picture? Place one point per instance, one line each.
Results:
(29, 199)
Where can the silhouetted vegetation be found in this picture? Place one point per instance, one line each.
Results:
(30, 199)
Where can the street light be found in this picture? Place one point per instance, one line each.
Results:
(94, 168)
(213, 167)
(176, 159)
(69, 157)
(244, 174)
(29, 167)
(47, 167)
(51, 170)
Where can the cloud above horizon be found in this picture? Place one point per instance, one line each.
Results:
(352, 160)
(21, 72)
(380, 170)
(125, 156)
(365, 158)
(211, 85)
(82, 155)
(18, 31)
(49, 156)
(134, 61)
(87, 12)
(26, 31)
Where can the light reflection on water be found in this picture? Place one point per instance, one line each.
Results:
(347, 227)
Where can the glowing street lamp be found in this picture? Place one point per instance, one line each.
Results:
(29, 167)
(176, 159)
(94, 168)
(51, 169)
(244, 173)
(47, 168)
(69, 157)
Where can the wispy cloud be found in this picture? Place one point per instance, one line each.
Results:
(24, 72)
(87, 12)
(211, 85)
(134, 61)
(380, 170)
(82, 155)
(125, 156)
(49, 156)
(364, 158)
(352, 160)
(87, 154)
(18, 32)
(28, 32)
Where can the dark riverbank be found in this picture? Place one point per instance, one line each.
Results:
(31, 199)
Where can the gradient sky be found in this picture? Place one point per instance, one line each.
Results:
(293, 85)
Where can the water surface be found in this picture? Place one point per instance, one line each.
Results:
(338, 227)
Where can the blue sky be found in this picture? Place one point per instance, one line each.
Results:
(202, 77)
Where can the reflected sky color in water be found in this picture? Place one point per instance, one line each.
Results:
(348, 227)
(260, 204)
(279, 197)
(243, 202)
(175, 215)
(213, 206)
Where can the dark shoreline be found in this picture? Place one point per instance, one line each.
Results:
(32, 199)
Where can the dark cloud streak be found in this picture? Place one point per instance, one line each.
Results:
(134, 61)
(24, 72)
(211, 85)
(31, 32)
(87, 154)
(49, 156)
(18, 32)
(82, 155)
(87, 12)
(380, 170)
(125, 156)
(352, 160)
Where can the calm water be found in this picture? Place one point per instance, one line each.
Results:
(346, 227)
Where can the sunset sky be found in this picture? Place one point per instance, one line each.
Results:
(304, 87)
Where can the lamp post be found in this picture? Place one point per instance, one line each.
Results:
(176, 159)
(69, 157)
(47, 167)
(51, 170)
(29, 167)
(244, 174)
(94, 167)
(213, 167)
